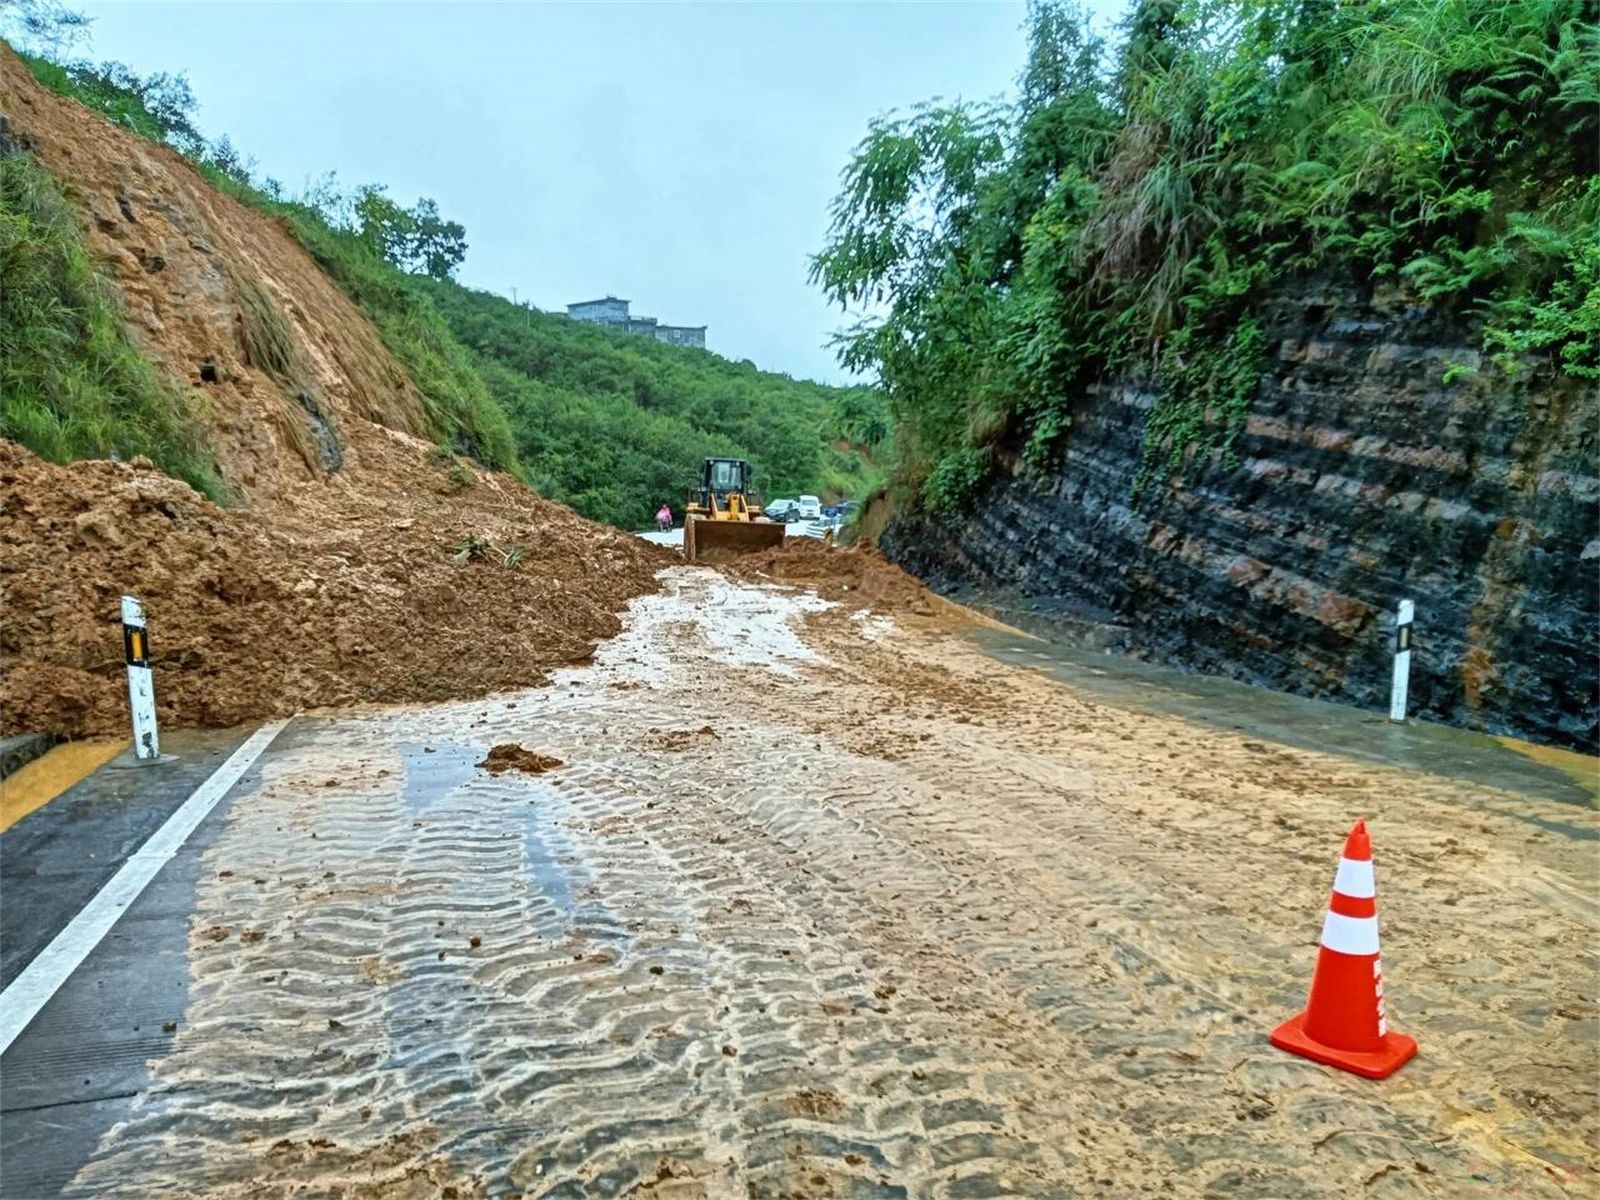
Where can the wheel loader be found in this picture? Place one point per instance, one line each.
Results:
(723, 515)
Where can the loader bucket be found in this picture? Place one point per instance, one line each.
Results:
(705, 540)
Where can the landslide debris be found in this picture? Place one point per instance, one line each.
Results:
(356, 595)
(680, 739)
(858, 576)
(508, 756)
(282, 372)
(362, 562)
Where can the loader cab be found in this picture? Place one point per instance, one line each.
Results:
(724, 477)
(723, 516)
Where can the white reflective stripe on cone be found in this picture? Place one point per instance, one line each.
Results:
(1350, 935)
(1354, 879)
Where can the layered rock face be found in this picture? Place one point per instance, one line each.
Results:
(1361, 478)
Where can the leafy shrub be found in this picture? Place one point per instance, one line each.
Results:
(1125, 211)
(1204, 394)
(953, 483)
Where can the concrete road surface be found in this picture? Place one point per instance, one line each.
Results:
(818, 903)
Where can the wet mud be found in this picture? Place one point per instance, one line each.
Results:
(907, 922)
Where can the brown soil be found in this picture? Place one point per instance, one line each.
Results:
(508, 756)
(818, 1104)
(1040, 949)
(254, 614)
(191, 263)
(325, 586)
(680, 739)
(855, 575)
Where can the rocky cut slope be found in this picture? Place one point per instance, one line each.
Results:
(1361, 478)
(361, 561)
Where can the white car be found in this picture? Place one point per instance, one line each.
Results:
(810, 508)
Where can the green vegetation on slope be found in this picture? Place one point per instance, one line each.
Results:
(613, 424)
(1123, 215)
(461, 413)
(349, 235)
(71, 385)
(609, 423)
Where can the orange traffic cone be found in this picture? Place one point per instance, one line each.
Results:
(1343, 1024)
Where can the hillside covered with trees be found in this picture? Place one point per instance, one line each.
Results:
(1127, 211)
(613, 423)
(608, 423)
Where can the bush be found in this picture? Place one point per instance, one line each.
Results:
(1126, 210)
(953, 484)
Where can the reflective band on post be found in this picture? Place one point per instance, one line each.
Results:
(141, 687)
(1350, 935)
(135, 646)
(1354, 878)
(1399, 695)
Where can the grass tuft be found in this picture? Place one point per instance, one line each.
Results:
(72, 385)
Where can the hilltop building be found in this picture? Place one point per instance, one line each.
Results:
(613, 313)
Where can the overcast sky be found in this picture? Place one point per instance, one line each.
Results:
(682, 156)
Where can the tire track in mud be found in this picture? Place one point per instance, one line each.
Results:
(892, 954)
(1155, 897)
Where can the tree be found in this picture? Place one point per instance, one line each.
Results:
(417, 240)
(437, 246)
(1125, 216)
(45, 25)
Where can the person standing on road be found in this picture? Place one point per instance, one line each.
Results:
(664, 517)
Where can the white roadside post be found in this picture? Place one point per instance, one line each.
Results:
(1402, 662)
(141, 687)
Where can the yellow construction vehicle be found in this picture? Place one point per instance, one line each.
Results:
(723, 515)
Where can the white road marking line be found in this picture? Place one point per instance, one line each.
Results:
(31, 990)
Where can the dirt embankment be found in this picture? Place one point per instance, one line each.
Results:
(280, 367)
(335, 578)
(364, 598)
(854, 575)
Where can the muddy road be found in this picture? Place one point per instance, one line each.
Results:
(820, 903)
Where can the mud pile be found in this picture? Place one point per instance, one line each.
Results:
(418, 593)
(361, 562)
(855, 575)
(508, 756)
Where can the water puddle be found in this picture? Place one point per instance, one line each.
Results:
(433, 771)
(1308, 724)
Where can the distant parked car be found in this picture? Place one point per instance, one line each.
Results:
(782, 510)
(810, 508)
